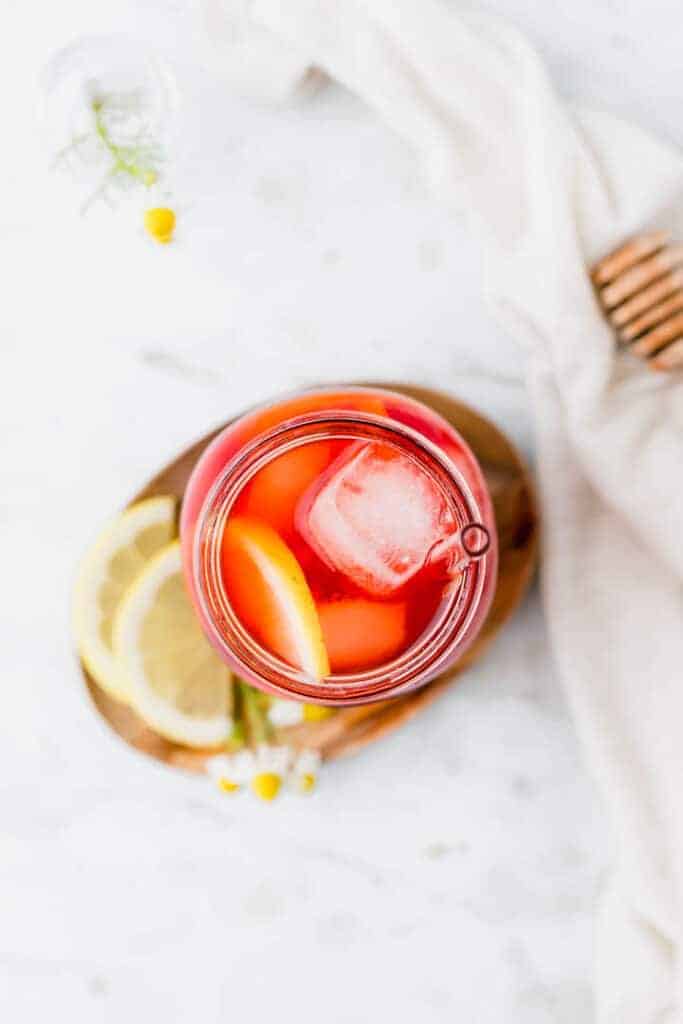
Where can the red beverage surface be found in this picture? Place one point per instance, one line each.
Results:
(367, 614)
(361, 629)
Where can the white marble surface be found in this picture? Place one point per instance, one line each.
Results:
(448, 873)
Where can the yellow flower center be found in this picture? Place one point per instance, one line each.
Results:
(316, 712)
(160, 223)
(266, 785)
(307, 782)
(227, 785)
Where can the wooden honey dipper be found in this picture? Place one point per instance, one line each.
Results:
(640, 288)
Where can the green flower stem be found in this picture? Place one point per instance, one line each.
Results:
(237, 737)
(255, 714)
(121, 163)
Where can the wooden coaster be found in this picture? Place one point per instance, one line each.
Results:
(349, 729)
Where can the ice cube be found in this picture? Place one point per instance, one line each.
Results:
(375, 516)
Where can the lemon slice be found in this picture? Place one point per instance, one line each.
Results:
(108, 569)
(176, 681)
(269, 592)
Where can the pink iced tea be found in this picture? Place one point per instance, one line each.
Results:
(339, 545)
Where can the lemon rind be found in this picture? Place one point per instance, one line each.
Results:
(98, 660)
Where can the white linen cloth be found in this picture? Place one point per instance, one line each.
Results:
(549, 190)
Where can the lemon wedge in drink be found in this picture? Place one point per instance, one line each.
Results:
(269, 592)
(108, 569)
(176, 681)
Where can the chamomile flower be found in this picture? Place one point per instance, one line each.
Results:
(266, 770)
(282, 713)
(304, 772)
(270, 770)
(231, 772)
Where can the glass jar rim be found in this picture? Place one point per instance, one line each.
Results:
(424, 657)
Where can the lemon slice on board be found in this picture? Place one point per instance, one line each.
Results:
(269, 592)
(176, 681)
(108, 569)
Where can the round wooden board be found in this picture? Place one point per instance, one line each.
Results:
(352, 728)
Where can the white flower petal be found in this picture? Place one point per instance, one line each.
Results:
(218, 766)
(273, 759)
(307, 763)
(285, 712)
(236, 768)
(243, 765)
